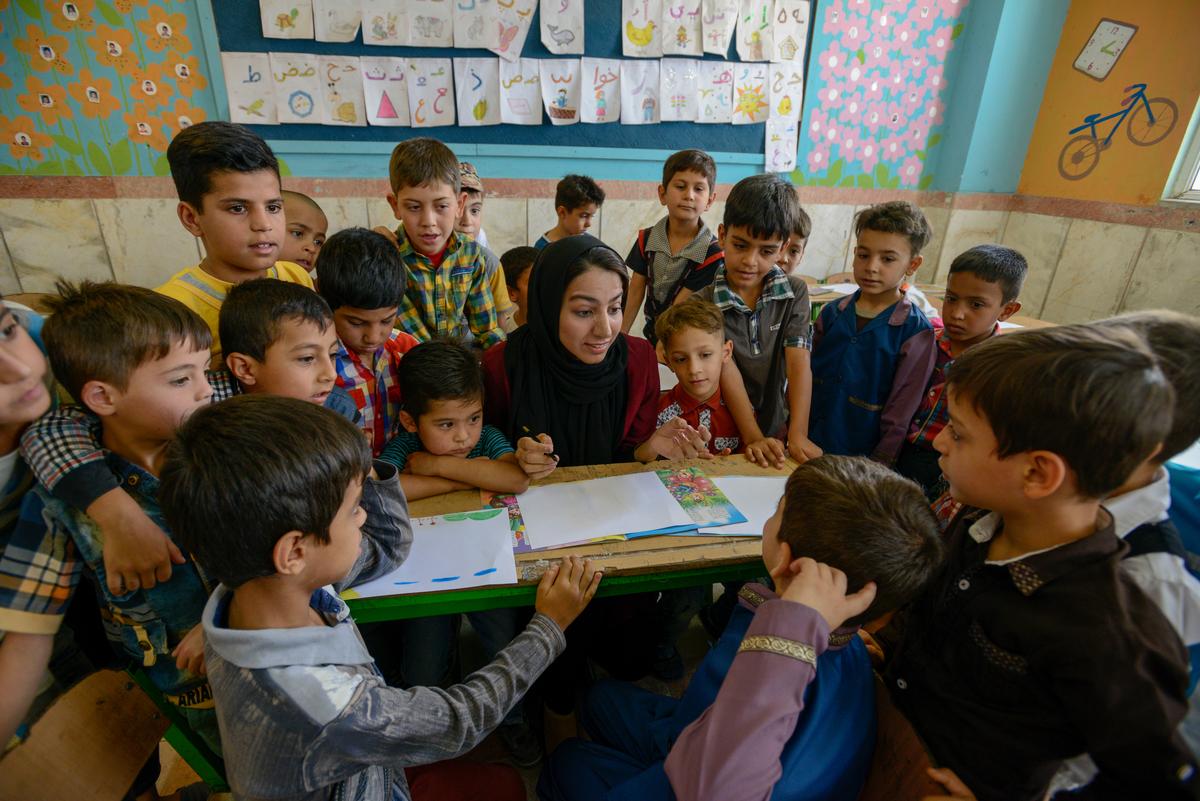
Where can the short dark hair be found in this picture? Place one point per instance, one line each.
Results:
(854, 514)
(764, 204)
(803, 226)
(206, 148)
(995, 264)
(251, 315)
(300, 197)
(516, 261)
(574, 191)
(438, 370)
(1174, 339)
(361, 269)
(691, 160)
(695, 313)
(103, 331)
(421, 162)
(237, 478)
(1094, 397)
(896, 217)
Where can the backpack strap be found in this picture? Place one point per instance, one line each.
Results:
(1155, 538)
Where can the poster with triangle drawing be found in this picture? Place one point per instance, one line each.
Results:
(385, 88)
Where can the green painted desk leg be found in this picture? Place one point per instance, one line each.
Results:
(208, 766)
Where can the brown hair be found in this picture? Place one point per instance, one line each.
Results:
(695, 313)
(694, 161)
(803, 226)
(423, 161)
(896, 217)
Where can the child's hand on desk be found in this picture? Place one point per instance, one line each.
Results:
(566, 588)
(823, 588)
(802, 448)
(189, 654)
(766, 452)
(536, 456)
(955, 789)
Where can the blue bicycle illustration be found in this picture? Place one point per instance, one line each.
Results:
(1150, 120)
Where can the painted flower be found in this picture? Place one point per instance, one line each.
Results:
(114, 48)
(918, 132)
(125, 6)
(910, 171)
(835, 14)
(144, 128)
(816, 125)
(924, 15)
(165, 30)
(940, 42)
(935, 76)
(832, 97)
(869, 155)
(851, 113)
(950, 9)
(182, 115)
(818, 159)
(5, 81)
(904, 35)
(48, 100)
(67, 15)
(94, 95)
(875, 116)
(896, 119)
(854, 32)
(146, 85)
(872, 87)
(186, 70)
(849, 148)
(912, 101)
(893, 148)
(831, 62)
(45, 52)
(878, 54)
(935, 112)
(24, 140)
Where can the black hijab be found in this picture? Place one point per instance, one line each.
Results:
(581, 406)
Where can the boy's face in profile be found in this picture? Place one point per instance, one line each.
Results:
(159, 396)
(882, 261)
(470, 220)
(977, 477)
(696, 358)
(241, 223)
(298, 364)
(972, 308)
(576, 221)
(333, 560)
(429, 213)
(23, 393)
(789, 260)
(449, 427)
(364, 330)
(306, 229)
(748, 258)
(687, 195)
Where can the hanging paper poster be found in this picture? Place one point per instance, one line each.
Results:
(430, 92)
(600, 93)
(639, 92)
(677, 90)
(478, 96)
(641, 34)
(682, 28)
(297, 86)
(342, 92)
(513, 18)
(520, 92)
(384, 22)
(750, 94)
(336, 20)
(714, 91)
(720, 17)
(790, 34)
(754, 30)
(250, 88)
(560, 80)
(430, 23)
(385, 90)
(286, 19)
(787, 90)
(782, 139)
(562, 26)
(475, 24)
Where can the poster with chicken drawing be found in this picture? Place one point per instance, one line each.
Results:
(520, 92)
(786, 94)
(640, 28)
(513, 19)
(385, 90)
(478, 95)
(600, 93)
(562, 26)
(430, 92)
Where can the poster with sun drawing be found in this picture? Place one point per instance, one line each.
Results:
(639, 92)
(475, 24)
(384, 22)
(431, 92)
(286, 19)
(513, 19)
(250, 88)
(677, 89)
(750, 94)
(682, 28)
(478, 96)
(297, 86)
(385, 90)
(640, 32)
(714, 91)
(719, 18)
(787, 90)
(336, 20)
(342, 98)
(754, 31)
(560, 79)
(520, 92)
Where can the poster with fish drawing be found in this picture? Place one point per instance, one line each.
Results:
(250, 88)
(560, 78)
(520, 92)
(562, 26)
(385, 90)
(430, 23)
(475, 24)
(430, 92)
(384, 22)
(336, 20)
(513, 19)
(782, 140)
(754, 40)
(682, 28)
(677, 89)
(714, 91)
(789, 36)
(600, 93)
(286, 19)
(786, 94)
(639, 92)
(641, 31)
(478, 95)
(719, 18)
(297, 86)
(750, 94)
(342, 93)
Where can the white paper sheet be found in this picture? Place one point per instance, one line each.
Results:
(512, 23)
(677, 90)
(286, 19)
(250, 88)
(720, 18)
(560, 81)
(297, 87)
(600, 92)
(452, 552)
(789, 35)
(475, 24)
(787, 90)
(781, 143)
(714, 91)
(754, 30)
(682, 28)
(639, 92)
(431, 92)
(478, 96)
(336, 20)
(840, 289)
(430, 23)
(520, 92)
(385, 89)
(342, 100)
(578, 511)
(384, 22)
(1005, 324)
(750, 94)
(562, 26)
(755, 496)
(641, 28)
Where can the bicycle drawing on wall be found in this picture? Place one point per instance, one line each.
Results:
(1148, 121)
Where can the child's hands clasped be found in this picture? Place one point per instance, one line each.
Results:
(823, 588)
(536, 456)
(566, 588)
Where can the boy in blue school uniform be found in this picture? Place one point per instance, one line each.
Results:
(873, 352)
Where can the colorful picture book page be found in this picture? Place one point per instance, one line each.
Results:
(755, 496)
(516, 523)
(700, 497)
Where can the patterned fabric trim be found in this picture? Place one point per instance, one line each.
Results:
(781, 646)
(751, 596)
(995, 654)
(838, 640)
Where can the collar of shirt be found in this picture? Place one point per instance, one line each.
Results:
(415, 259)
(1147, 504)
(132, 477)
(775, 287)
(899, 314)
(696, 250)
(687, 404)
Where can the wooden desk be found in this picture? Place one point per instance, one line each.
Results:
(647, 564)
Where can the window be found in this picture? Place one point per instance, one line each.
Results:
(1185, 181)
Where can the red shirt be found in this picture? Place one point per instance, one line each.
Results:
(712, 414)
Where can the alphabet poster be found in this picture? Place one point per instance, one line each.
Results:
(475, 24)
(714, 91)
(297, 86)
(677, 90)
(513, 19)
(336, 20)
(641, 36)
(782, 140)
(750, 94)
(430, 23)
(385, 90)
(384, 22)
(250, 88)
(342, 95)
(520, 92)
(787, 89)
(720, 17)
(682, 28)
(754, 39)
(562, 26)
(478, 96)
(600, 94)
(286, 19)
(639, 92)
(790, 34)
(431, 92)
(560, 78)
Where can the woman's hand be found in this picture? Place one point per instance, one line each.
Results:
(536, 456)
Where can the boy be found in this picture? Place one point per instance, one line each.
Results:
(447, 293)
(873, 351)
(303, 710)
(361, 277)
(577, 201)
(517, 263)
(794, 252)
(981, 290)
(229, 198)
(753, 723)
(307, 226)
(678, 255)
(1029, 640)
(470, 224)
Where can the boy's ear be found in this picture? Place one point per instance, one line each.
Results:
(915, 264)
(100, 397)
(712, 198)
(408, 421)
(290, 554)
(721, 235)
(189, 215)
(726, 351)
(662, 195)
(1044, 474)
(391, 199)
(244, 368)
(562, 212)
(1009, 309)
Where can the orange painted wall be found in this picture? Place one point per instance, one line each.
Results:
(1162, 54)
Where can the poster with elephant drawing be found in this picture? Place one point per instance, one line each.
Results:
(430, 23)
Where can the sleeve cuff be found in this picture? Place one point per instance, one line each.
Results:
(81, 487)
(787, 629)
